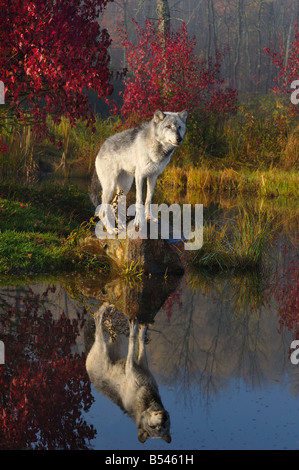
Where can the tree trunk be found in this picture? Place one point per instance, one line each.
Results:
(259, 48)
(163, 17)
(240, 18)
(288, 40)
(125, 7)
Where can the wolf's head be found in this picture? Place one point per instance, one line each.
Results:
(170, 128)
(154, 424)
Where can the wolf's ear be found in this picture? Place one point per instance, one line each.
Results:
(158, 116)
(142, 435)
(183, 115)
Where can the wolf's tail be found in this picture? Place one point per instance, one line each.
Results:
(94, 190)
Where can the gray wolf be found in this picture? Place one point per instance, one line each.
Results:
(128, 382)
(141, 153)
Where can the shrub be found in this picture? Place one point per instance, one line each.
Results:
(164, 72)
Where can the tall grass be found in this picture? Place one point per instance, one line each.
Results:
(267, 183)
(19, 158)
(77, 145)
(239, 244)
(66, 149)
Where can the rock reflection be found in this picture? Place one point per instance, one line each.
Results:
(143, 299)
(128, 381)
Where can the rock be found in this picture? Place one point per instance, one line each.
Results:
(153, 256)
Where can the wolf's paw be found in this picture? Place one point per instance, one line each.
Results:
(133, 325)
(107, 218)
(149, 216)
(139, 220)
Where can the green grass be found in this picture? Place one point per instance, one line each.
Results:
(27, 252)
(38, 228)
(132, 271)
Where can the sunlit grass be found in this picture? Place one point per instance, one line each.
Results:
(239, 244)
(269, 183)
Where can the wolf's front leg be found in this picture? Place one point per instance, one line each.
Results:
(131, 348)
(139, 220)
(151, 183)
(142, 359)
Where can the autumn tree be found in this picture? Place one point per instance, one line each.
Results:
(167, 74)
(51, 51)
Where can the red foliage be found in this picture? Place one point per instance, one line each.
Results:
(44, 384)
(290, 71)
(174, 299)
(166, 74)
(50, 51)
(286, 293)
(3, 147)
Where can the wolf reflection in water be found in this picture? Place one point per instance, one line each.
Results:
(127, 382)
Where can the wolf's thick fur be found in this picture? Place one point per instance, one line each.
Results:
(142, 152)
(127, 382)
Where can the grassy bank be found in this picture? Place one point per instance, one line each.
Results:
(241, 243)
(35, 230)
(41, 228)
(266, 183)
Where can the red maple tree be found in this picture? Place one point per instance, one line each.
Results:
(50, 52)
(164, 72)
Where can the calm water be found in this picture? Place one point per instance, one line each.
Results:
(218, 347)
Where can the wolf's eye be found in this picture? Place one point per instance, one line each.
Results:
(168, 127)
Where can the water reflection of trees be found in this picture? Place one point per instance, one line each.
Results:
(206, 330)
(225, 328)
(44, 385)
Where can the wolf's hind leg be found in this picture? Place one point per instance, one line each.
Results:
(124, 183)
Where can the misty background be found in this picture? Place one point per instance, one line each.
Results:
(246, 26)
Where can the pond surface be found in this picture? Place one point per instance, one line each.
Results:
(218, 347)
